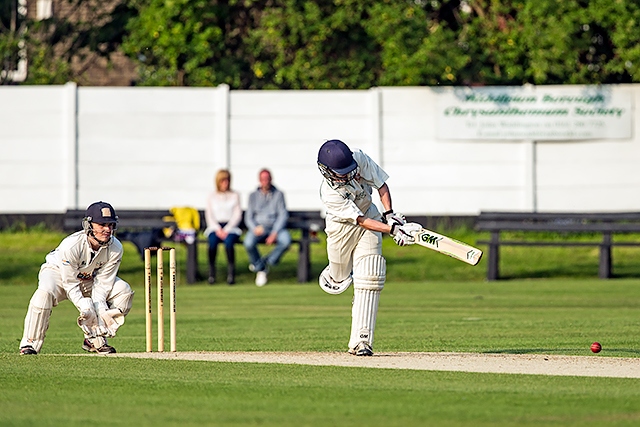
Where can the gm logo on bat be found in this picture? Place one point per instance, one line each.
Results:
(429, 239)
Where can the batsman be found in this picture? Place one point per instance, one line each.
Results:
(354, 228)
(83, 270)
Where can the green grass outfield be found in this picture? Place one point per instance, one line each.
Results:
(430, 303)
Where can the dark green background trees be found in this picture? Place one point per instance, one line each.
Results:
(349, 44)
(12, 30)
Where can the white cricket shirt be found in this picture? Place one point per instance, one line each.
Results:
(348, 202)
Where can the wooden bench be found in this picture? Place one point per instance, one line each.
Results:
(144, 228)
(606, 224)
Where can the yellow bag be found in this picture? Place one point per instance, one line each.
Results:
(187, 221)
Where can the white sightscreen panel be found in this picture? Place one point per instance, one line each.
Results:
(451, 202)
(588, 200)
(284, 131)
(263, 130)
(34, 158)
(158, 147)
(30, 99)
(329, 103)
(597, 175)
(158, 100)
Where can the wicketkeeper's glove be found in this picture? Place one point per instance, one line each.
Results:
(88, 320)
(110, 319)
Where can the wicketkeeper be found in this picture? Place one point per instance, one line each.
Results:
(83, 270)
(354, 228)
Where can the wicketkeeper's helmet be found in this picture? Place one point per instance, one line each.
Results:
(101, 213)
(336, 163)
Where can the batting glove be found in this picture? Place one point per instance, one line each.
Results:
(390, 217)
(401, 235)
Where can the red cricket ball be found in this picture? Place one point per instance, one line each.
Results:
(596, 347)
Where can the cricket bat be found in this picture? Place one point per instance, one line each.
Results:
(448, 246)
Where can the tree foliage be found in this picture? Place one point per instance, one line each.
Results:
(61, 48)
(315, 45)
(351, 44)
(12, 33)
(192, 42)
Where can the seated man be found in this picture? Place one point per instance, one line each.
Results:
(266, 220)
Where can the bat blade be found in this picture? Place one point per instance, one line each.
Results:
(448, 246)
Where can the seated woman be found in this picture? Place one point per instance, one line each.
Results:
(223, 215)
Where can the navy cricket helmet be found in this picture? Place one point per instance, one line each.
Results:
(101, 213)
(335, 155)
(336, 163)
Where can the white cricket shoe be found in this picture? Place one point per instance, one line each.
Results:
(362, 349)
(261, 278)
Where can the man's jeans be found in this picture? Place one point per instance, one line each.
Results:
(261, 263)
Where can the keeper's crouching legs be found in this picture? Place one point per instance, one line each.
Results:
(121, 296)
(36, 322)
(369, 275)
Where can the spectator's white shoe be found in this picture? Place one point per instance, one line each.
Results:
(261, 278)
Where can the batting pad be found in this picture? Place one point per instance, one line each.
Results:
(370, 272)
(368, 281)
(36, 322)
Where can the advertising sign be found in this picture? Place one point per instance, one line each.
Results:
(535, 113)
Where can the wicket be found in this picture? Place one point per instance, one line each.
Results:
(172, 297)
